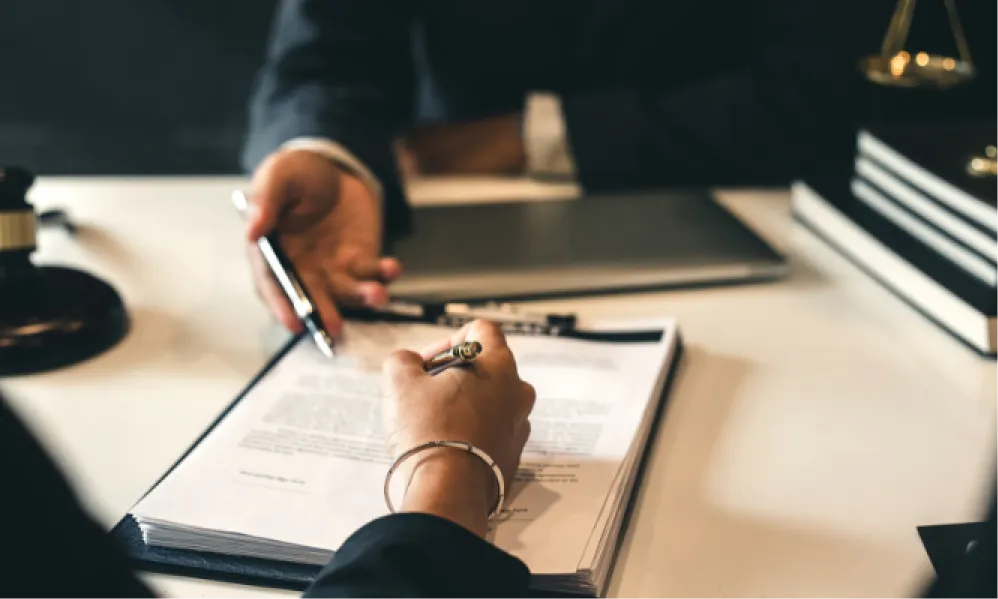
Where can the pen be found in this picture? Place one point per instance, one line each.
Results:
(459, 355)
(289, 281)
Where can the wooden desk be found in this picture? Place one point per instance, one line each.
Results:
(815, 423)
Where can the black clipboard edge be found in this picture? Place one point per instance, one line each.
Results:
(608, 335)
(297, 577)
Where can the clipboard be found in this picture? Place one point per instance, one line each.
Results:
(294, 576)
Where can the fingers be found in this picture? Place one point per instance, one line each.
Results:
(403, 365)
(435, 348)
(271, 294)
(322, 297)
(262, 219)
(522, 434)
(390, 269)
(372, 268)
(265, 201)
(349, 291)
(495, 351)
(487, 333)
(529, 398)
(363, 266)
(455, 338)
(302, 211)
(372, 294)
(293, 188)
(363, 282)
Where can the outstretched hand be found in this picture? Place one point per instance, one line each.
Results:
(329, 226)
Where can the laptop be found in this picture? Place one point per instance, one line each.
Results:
(578, 246)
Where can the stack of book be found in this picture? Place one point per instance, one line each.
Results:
(913, 216)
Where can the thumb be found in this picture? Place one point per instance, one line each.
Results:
(402, 366)
(265, 202)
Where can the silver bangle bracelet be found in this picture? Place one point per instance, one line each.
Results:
(496, 510)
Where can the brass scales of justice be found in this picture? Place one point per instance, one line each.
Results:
(895, 66)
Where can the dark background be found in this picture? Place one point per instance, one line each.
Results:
(128, 86)
(160, 86)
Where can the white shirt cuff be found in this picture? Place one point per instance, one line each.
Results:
(341, 156)
(545, 138)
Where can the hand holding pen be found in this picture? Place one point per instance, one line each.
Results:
(330, 230)
(486, 404)
(287, 277)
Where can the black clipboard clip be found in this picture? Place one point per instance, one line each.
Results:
(508, 317)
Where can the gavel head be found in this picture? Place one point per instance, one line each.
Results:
(14, 185)
(18, 224)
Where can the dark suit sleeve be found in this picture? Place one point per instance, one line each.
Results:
(50, 547)
(418, 555)
(792, 94)
(340, 70)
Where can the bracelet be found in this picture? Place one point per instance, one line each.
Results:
(497, 509)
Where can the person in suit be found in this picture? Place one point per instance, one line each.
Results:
(617, 94)
(434, 547)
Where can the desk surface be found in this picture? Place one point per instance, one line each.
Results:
(815, 422)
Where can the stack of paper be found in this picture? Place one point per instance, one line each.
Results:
(299, 463)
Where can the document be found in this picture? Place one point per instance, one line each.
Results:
(299, 463)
